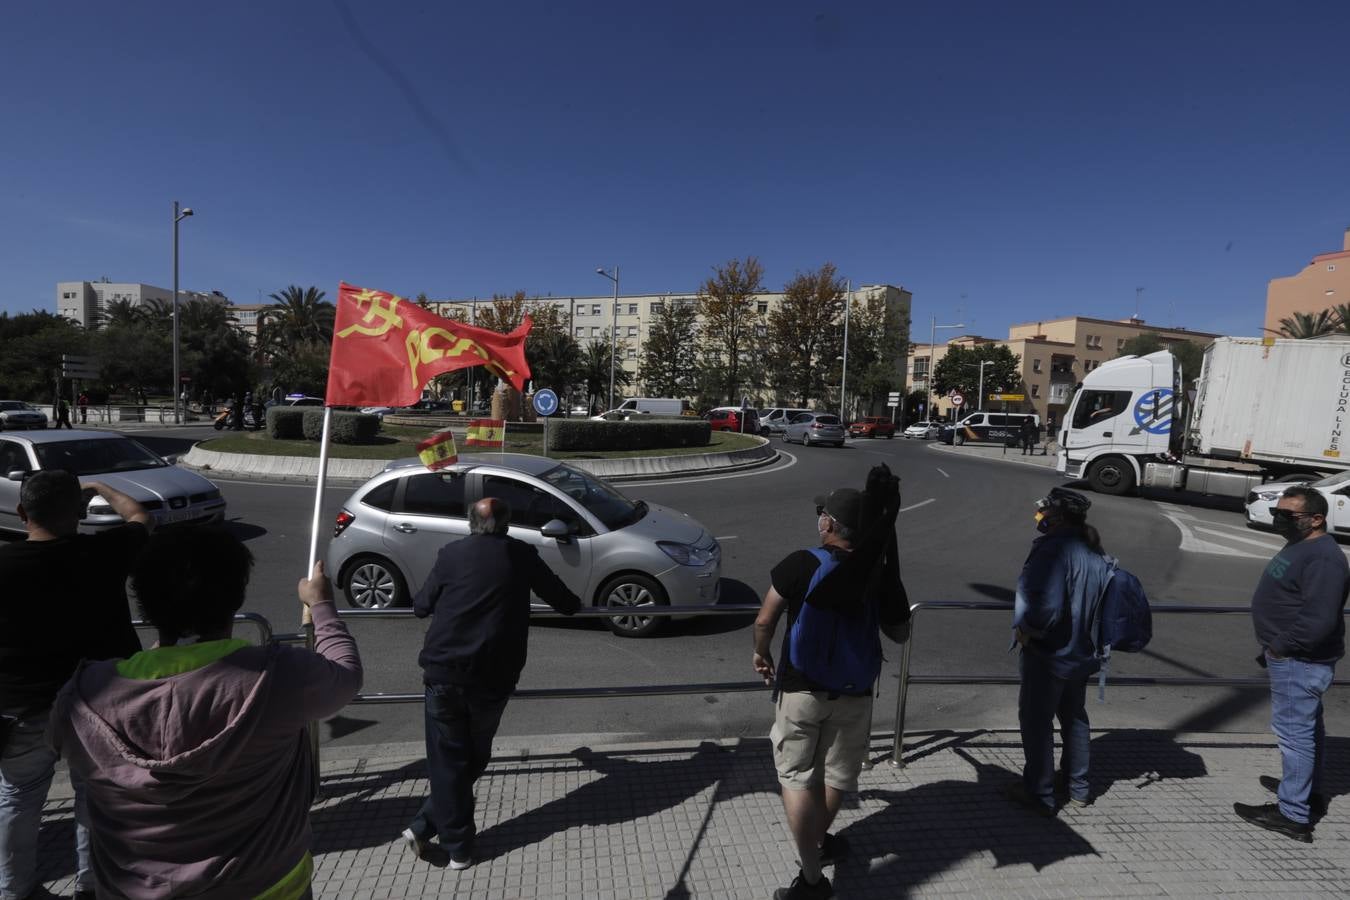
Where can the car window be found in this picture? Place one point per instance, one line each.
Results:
(1098, 406)
(801, 417)
(7, 405)
(434, 494)
(997, 419)
(600, 500)
(530, 506)
(828, 420)
(381, 497)
(13, 458)
(95, 456)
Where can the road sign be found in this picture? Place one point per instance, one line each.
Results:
(957, 399)
(893, 398)
(79, 366)
(1007, 396)
(545, 402)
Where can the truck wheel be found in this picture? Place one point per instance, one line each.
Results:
(1111, 475)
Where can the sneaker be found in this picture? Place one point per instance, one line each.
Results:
(833, 849)
(460, 860)
(1017, 793)
(800, 890)
(1317, 804)
(1269, 817)
(414, 844)
(1062, 791)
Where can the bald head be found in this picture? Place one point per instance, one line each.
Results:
(489, 516)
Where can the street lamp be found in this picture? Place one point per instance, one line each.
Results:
(178, 216)
(983, 363)
(932, 350)
(613, 329)
(843, 375)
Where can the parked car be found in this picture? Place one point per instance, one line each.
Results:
(987, 427)
(610, 550)
(1336, 488)
(873, 427)
(923, 430)
(815, 428)
(728, 418)
(15, 415)
(173, 496)
(657, 406)
(302, 400)
(776, 418)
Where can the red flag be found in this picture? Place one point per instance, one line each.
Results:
(386, 348)
(438, 451)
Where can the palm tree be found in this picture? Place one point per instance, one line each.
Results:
(300, 316)
(1341, 314)
(595, 367)
(1309, 325)
(123, 312)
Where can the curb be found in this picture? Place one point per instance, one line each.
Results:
(304, 469)
(938, 447)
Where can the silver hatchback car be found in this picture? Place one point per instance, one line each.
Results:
(815, 428)
(611, 551)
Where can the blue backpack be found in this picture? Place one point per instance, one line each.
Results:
(837, 652)
(1121, 620)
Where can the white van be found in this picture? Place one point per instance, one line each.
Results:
(655, 406)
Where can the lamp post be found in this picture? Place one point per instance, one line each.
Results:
(843, 375)
(613, 329)
(178, 216)
(983, 363)
(932, 350)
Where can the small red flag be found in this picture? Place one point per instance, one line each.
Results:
(386, 348)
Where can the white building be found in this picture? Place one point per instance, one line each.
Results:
(86, 302)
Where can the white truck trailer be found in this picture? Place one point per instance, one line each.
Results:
(1262, 409)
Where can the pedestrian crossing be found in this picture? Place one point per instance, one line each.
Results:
(1221, 534)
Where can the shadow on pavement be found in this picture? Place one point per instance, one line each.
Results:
(244, 531)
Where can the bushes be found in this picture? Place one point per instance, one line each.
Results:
(286, 423)
(297, 423)
(589, 434)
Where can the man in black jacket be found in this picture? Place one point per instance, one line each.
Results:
(478, 595)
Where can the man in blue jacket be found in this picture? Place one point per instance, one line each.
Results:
(478, 595)
(1062, 581)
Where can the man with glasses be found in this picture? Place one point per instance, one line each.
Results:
(837, 597)
(1297, 611)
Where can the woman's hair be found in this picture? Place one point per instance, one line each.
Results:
(191, 580)
(1092, 538)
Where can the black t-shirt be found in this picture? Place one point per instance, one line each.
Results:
(791, 578)
(64, 600)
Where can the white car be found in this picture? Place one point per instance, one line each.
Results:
(15, 414)
(923, 430)
(1336, 488)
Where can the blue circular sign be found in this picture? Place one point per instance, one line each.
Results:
(545, 402)
(1153, 411)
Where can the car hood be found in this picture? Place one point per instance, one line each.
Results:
(22, 414)
(661, 523)
(155, 484)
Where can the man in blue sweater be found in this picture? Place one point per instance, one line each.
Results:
(478, 595)
(1298, 614)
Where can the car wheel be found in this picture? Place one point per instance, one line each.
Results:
(1111, 475)
(765, 432)
(891, 435)
(372, 582)
(958, 439)
(632, 590)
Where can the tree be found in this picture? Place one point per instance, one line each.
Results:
(669, 365)
(595, 368)
(1190, 354)
(878, 351)
(800, 331)
(214, 353)
(1341, 314)
(504, 314)
(299, 316)
(553, 354)
(30, 364)
(959, 370)
(122, 312)
(726, 303)
(1308, 325)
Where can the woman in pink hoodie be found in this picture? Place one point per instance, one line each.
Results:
(198, 768)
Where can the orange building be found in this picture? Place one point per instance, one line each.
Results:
(1323, 284)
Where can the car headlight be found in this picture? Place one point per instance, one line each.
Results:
(1268, 496)
(686, 554)
(98, 507)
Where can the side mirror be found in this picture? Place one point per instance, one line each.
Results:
(16, 475)
(557, 529)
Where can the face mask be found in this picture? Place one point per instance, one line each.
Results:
(1042, 524)
(1293, 528)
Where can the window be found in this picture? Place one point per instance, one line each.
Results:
(1035, 366)
(435, 495)
(1035, 391)
(381, 497)
(581, 331)
(1120, 344)
(595, 309)
(1331, 267)
(595, 331)
(530, 506)
(632, 330)
(762, 307)
(761, 330)
(632, 309)
(1093, 407)
(658, 306)
(13, 458)
(632, 353)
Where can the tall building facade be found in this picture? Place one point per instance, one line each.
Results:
(1323, 284)
(1055, 355)
(87, 302)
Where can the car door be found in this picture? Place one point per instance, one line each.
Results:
(429, 512)
(13, 458)
(1097, 417)
(1338, 516)
(531, 507)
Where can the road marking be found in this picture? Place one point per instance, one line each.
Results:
(917, 505)
(763, 470)
(298, 484)
(1271, 545)
(727, 537)
(942, 473)
(1047, 466)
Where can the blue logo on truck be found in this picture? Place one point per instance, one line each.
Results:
(1153, 411)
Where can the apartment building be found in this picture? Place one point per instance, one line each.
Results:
(1324, 283)
(86, 302)
(1055, 355)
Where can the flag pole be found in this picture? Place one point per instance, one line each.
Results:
(318, 497)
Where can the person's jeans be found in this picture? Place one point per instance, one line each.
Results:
(1041, 699)
(461, 721)
(26, 768)
(1296, 689)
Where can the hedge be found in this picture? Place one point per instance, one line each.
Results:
(286, 423)
(347, 427)
(589, 434)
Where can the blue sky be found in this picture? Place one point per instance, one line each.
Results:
(1005, 162)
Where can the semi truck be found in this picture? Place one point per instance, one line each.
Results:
(1261, 409)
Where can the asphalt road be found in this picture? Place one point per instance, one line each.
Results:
(965, 529)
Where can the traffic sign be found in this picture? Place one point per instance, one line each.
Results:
(957, 399)
(79, 366)
(1015, 397)
(893, 398)
(545, 402)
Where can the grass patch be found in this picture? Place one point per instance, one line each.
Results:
(399, 441)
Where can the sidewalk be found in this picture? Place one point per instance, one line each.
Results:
(704, 820)
(1042, 460)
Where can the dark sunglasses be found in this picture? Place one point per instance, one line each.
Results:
(1278, 513)
(820, 510)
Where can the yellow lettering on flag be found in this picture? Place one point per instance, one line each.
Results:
(485, 433)
(387, 315)
(438, 451)
(420, 350)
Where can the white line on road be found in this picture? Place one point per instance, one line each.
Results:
(917, 505)
(1272, 545)
(942, 473)
(298, 484)
(727, 537)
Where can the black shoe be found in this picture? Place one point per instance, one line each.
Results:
(1317, 804)
(1017, 793)
(1269, 817)
(800, 890)
(833, 849)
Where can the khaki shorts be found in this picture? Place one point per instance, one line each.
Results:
(816, 739)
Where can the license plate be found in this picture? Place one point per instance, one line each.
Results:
(177, 515)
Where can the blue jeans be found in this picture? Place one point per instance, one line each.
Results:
(1296, 689)
(26, 768)
(461, 721)
(1041, 699)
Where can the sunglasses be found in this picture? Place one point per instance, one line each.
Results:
(820, 510)
(1279, 513)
